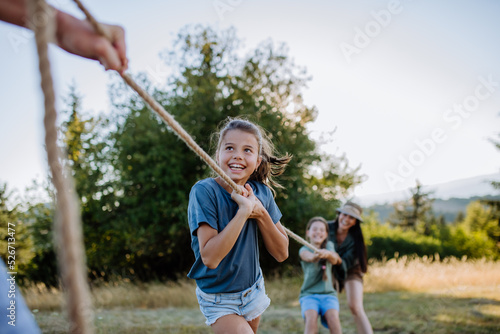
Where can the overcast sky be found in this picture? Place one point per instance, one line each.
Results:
(411, 88)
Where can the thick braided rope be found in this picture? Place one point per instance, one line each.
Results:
(68, 232)
(300, 240)
(181, 133)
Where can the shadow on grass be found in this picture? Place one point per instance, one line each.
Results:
(390, 312)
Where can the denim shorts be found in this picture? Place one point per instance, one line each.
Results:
(320, 304)
(249, 303)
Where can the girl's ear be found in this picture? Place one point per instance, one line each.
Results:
(259, 160)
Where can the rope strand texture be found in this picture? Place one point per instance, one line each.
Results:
(300, 240)
(67, 225)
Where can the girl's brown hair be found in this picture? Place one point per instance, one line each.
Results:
(271, 165)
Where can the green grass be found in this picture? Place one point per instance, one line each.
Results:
(406, 296)
(389, 312)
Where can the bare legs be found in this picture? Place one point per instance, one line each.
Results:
(233, 323)
(311, 318)
(332, 319)
(354, 293)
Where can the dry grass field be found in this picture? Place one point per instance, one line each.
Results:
(402, 296)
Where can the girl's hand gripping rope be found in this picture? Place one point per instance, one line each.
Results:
(241, 197)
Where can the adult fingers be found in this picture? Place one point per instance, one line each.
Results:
(118, 38)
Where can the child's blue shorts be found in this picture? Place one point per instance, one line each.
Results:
(249, 303)
(320, 304)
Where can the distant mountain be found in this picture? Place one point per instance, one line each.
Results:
(448, 208)
(463, 188)
(474, 186)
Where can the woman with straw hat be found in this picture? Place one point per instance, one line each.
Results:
(346, 234)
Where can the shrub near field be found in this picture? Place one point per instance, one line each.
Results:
(474, 236)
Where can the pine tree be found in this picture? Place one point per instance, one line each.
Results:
(414, 213)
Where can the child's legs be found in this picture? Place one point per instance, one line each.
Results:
(333, 321)
(255, 324)
(232, 323)
(354, 293)
(311, 319)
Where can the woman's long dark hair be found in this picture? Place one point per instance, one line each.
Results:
(359, 242)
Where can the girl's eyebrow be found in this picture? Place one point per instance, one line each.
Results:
(246, 145)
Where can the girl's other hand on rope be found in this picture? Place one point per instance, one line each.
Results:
(244, 190)
(78, 37)
(322, 253)
(332, 257)
(258, 210)
(244, 202)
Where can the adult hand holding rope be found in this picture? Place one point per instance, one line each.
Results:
(74, 35)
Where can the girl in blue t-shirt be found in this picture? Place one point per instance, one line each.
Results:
(223, 224)
(318, 298)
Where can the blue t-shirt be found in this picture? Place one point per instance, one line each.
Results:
(210, 203)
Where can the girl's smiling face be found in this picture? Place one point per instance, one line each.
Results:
(239, 155)
(317, 232)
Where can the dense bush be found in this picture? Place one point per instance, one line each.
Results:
(474, 237)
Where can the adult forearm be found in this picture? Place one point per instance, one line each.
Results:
(14, 11)
(73, 35)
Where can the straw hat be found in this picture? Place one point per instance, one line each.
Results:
(352, 209)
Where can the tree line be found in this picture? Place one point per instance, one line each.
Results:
(133, 175)
(413, 229)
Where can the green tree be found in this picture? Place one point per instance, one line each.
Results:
(38, 215)
(15, 241)
(133, 175)
(88, 152)
(211, 82)
(415, 213)
(483, 220)
(495, 204)
(155, 173)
